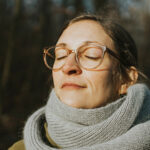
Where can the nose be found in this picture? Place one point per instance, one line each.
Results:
(71, 66)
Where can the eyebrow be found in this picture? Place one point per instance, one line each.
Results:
(62, 44)
(85, 42)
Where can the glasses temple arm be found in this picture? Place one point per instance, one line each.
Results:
(46, 52)
(117, 57)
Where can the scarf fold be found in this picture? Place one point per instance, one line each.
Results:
(113, 126)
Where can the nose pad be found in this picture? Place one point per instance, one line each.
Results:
(71, 66)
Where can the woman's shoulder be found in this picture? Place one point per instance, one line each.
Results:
(18, 146)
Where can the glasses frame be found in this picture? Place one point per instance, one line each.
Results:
(77, 54)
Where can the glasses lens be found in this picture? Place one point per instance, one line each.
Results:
(49, 57)
(90, 57)
(60, 57)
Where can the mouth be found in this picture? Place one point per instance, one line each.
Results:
(72, 86)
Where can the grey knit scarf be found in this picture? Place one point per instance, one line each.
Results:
(120, 125)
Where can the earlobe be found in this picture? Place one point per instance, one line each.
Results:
(123, 89)
(133, 74)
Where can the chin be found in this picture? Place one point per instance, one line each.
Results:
(72, 102)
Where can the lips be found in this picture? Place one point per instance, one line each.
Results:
(72, 85)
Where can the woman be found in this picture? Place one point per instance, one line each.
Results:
(96, 103)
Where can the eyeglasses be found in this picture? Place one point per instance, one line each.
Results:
(89, 56)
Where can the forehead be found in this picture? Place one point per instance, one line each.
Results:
(87, 30)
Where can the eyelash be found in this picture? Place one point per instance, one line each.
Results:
(59, 58)
(92, 57)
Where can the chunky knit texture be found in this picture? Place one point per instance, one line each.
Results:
(120, 125)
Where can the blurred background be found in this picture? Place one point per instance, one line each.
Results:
(26, 27)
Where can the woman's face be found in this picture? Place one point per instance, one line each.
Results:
(76, 86)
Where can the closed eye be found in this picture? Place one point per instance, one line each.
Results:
(60, 58)
(94, 58)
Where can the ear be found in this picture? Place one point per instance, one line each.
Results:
(133, 74)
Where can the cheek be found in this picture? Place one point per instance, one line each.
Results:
(98, 80)
(100, 88)
(55, 76)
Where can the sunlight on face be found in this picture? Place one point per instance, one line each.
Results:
(76, 86)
